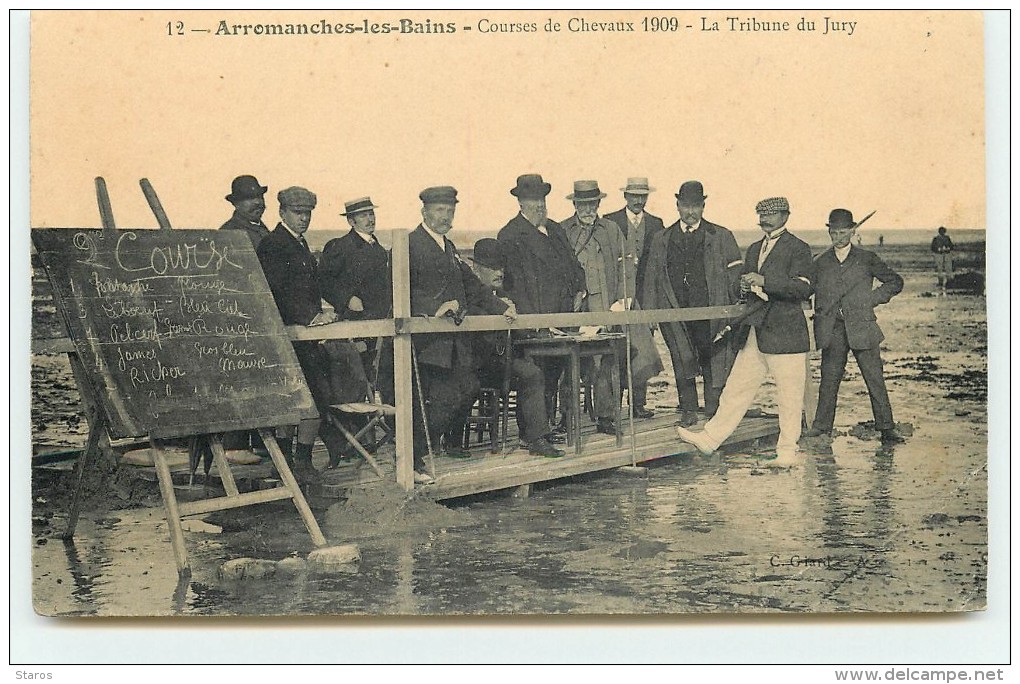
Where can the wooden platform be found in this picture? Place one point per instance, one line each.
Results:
(486, 472)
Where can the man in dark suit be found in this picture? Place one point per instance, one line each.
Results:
(845, 301)
(773, 337)
(356, 279)
(542, 274)
(639, 229)
(292, 275)
(694, 263)
(248, 197)
(443, 285)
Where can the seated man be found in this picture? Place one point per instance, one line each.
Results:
(490, 350)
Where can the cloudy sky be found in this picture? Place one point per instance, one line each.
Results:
(889, 118)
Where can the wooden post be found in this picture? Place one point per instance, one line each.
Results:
(402, 382)
(154, 204)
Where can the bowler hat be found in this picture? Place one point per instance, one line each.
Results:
(443, 194)
(530, 186)
(245, 187)
(297, 198)
(357, 206)
(841, 218)
(637, 186)
(489, 253)
(692, 192)
(586, 190)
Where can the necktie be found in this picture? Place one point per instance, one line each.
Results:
(765, 246)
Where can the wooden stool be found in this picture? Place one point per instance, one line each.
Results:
(376, 414)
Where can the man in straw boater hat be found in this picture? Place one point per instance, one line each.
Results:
(248, 197)
(542, 275)
(845, 301)
(356, 278)
(639, 229)
(694, 263)
(597, 244)
(777, 280)
(292, 275)
(491, 350)
(442, 285)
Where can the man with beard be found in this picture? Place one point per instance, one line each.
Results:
(292, 275)
(542, 275)
(597, 244)
(248, 197)
(777, 279)
(443, 285)
(356, 279)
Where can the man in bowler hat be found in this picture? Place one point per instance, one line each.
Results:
(845, 301)
(542, 273)
(248, 197)
(694, 263)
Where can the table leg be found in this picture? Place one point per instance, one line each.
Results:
(614, 372)
(575, 398)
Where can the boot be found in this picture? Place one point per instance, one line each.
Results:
(304, 471)
(286, 445)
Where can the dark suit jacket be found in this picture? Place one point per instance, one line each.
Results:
(779, 323)
(542, 275)
(438, 276)
(257, 232)
(846, 291)
(653, 226)
(292, 275)
(352, 267)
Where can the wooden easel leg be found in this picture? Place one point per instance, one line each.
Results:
(220, 458)
(98, 425)
(292, 486)
(173, 515)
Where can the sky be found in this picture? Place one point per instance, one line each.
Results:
(890, 118)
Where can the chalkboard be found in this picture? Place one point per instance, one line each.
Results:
(177, 329)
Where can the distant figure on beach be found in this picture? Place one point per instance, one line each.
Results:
(845, 300)
(942, 248)
(881, 240)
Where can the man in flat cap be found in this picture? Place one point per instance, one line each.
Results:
(292, 275)
(356, 278)
(845, 301)
(639, 228)
(542, 274)
(777, 279)
(597, 243)
(491, 350)
(443, 285)
(248, 197)
(694, 263)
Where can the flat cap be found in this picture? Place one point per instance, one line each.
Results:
(772, 205)
(442, 194)
(296, 197)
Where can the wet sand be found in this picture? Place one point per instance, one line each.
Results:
(860, 529)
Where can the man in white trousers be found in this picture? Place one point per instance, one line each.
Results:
(773, 336)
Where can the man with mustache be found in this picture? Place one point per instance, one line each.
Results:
(597, 244)
(248, 197)
(777, 279)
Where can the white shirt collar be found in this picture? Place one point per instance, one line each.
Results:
(367, 237)
(684, 227)
(842, 252)
(773, 235)
(541, 229)
(634, 218)
(440, 239)
(299, 238)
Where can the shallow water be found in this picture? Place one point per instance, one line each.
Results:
(860, 529)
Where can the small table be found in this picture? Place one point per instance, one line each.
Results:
(574, 348)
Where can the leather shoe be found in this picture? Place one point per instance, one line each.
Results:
(892, 436)
(422, 478)
(698, 439)
(688, 418)
(540, 447)
(305, 472)
(642, 412)
(456, 452)
(555, 438)
(606, 426)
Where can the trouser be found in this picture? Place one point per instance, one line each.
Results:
(449, 392)
(746, 376)
(944, 267)
(315, 365)
(383, 380)
(834, 358)
(526, 378)
(552, 370)
(701, 336)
